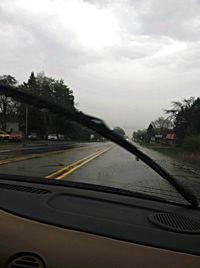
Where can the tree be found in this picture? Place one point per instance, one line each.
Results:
(53, 90)
(7, 105)
(119, 131)
(35, 117)
(195, 117)
(139, 135)
(185, 118)
(32, 83)
(62, 94)
(150, 132)
(162, 122)
(162, 125)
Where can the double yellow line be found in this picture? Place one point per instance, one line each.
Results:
(63, 172)
(32, 156)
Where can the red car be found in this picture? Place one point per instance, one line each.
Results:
(16, 136)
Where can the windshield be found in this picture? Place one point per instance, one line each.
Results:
(132, 63)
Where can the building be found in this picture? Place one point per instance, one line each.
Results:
(170, 138)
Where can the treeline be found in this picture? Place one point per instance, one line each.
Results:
(157, 130)
(42, 122)
(183, 120)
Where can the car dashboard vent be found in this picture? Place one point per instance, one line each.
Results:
(175, 222)
(26, 260)
(23, 188)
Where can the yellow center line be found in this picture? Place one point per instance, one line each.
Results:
(75, 165)
(82, 163)
(23, 158)
(69, 166)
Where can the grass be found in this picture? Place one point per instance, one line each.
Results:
(165, 149)
(175, 152)
(4, 143)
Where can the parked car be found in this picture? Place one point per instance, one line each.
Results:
(52, 137)
(33, 136)
(3, 135)
(17, 136)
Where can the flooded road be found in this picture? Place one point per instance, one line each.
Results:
(175, 164)
(184, 170)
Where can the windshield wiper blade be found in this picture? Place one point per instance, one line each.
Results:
(100, 127)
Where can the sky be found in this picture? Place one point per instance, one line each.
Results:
(125, 60)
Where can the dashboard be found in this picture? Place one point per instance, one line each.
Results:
(45, 225)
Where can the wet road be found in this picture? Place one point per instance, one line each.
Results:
(103, 164)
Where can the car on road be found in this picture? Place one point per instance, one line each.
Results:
(17, 136)
(3, 135)
(52, 137)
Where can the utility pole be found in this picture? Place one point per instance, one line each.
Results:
(26, 126)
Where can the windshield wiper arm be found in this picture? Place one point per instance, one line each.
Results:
(100, 127)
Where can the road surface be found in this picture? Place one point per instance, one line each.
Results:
(99, 163)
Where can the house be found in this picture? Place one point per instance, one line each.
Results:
(170, 138)
(158, 138)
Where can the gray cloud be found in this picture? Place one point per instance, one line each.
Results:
(125, 60)
(176, 19)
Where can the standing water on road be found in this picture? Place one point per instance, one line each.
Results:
(188, 171)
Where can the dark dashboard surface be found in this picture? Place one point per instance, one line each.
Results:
(97, 212)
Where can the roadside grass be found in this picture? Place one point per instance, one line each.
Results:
(156, 146)
(175, 152)
(5, 143)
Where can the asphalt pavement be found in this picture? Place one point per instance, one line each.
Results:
(103, 164)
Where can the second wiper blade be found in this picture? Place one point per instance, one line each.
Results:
(100, 127)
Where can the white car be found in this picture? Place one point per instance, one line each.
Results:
(52, 137)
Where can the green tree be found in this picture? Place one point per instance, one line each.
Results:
(59, 93)
(139, 135)
(183, 116)
(45, 122)
(53, 90)
(119, 131)
(7, 105)
(35, 116)
(163, 125)
(150, 133)
(195, 117)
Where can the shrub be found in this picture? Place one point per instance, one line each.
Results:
(192, 143)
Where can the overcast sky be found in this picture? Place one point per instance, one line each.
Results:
(126, 60)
